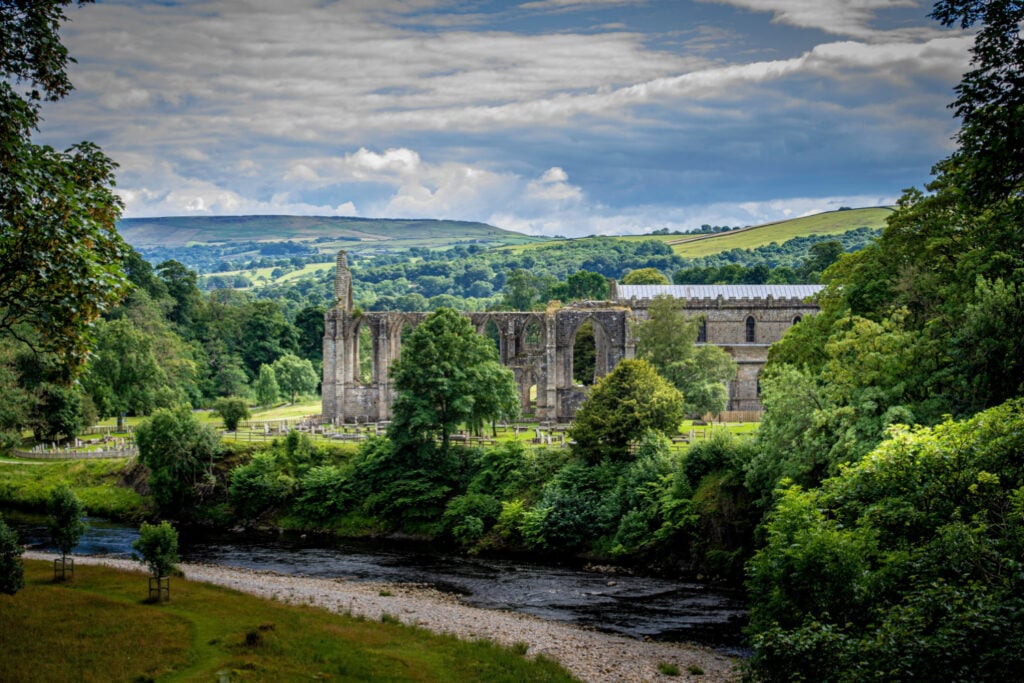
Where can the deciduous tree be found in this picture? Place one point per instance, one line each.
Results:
(447, 375)
(12, 571)
(621, 407)
(60, 254)
(645, 276)
(667, 340)
(179, 452)
(65, 523)
(295, 375)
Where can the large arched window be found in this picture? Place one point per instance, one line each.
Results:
(797, 319)
(702, 331)
(751, 329)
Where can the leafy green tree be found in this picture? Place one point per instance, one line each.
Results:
(295, 375)
(182, 285)
(645, 276)
(123, 375)
(232, 410)
(266, 335)
(157, 548)
(447, 375)
(624, 404)
(582, 285)
(820, 256)
(179, 453)
(65, 522)
(60, 253)
(903, 567)
(667, 339)
(309, 324)
(521, 291)
(14, 409)
(12, 570)
(56, 412)
(990, 99)
(266, 387)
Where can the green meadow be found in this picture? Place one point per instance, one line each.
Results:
(99, 627)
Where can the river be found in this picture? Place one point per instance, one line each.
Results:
(636, 606)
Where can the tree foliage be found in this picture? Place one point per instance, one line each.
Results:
(65, 522)
(179, 452)
(645, 276)
(60, 253)
(907, 566)
(448, 375)
(623, 405)
(266, 388)
(232, 410)
(157, 548)
(667, 340)
(295, 375)
(123, 375)
(12, 571)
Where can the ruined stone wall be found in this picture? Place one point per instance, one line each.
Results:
(538, 347)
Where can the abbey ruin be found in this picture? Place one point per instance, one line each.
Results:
(538, 345)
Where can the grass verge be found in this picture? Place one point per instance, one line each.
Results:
(97, 483)
(98, 627)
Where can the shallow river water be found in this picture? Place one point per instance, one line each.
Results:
(636, 606)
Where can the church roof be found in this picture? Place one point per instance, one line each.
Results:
(628, 292)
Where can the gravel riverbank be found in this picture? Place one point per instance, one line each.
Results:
(590, 655)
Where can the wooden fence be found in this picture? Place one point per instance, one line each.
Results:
(72, 454)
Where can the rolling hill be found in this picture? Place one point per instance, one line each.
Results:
(328, 233)
(693, 246)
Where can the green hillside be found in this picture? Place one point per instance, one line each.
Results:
(329, 233)
(830, 223)
(693, 246)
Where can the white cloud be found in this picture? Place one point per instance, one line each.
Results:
(840, 17)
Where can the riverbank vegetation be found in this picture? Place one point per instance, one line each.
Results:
(207, 632)
(872, 550)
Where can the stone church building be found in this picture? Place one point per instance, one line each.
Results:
(538, 345)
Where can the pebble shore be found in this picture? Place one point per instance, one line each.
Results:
(591, 656)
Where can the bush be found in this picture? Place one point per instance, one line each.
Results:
(12, 571)
(575, 509)
(467, 517)
(259, 486)
(232, 410)
(907, 566)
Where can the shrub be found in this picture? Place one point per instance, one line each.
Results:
(907, 566)
(232, 410)
(12, 571)
(259, 486)
(467, 517)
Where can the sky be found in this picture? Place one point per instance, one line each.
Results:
(548, 117)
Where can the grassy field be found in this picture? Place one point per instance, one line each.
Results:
(97, 627)
(333, 232)
(27, 485)
(831, 223)
(692, 246)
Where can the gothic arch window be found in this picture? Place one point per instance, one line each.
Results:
(702, 331)
(751, 329)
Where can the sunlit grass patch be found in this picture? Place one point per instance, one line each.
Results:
(99, 628)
